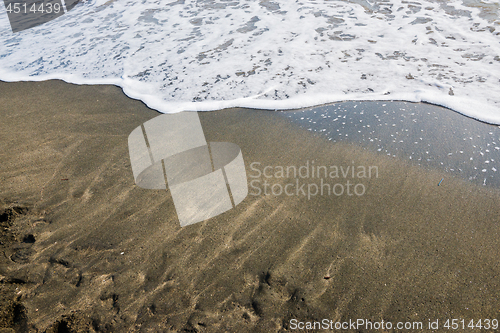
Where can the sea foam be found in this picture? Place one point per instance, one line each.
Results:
(212, 54)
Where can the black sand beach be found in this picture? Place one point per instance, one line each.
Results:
(86, 250)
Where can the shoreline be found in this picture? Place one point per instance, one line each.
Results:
(420, 133)
(87, 249)
(321, 100)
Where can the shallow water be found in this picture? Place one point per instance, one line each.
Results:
(211, 54)
(422, 134)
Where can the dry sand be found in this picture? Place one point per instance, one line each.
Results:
(85, 250)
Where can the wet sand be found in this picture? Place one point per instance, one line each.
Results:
(420, 133)
(86, 250)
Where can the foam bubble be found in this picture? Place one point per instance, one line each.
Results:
(207, 55)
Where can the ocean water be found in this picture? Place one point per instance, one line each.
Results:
(410, 131)
(210, 54)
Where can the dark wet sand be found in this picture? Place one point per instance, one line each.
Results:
(85, 250)
(420, 133)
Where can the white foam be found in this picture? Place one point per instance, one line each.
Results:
(208, 55)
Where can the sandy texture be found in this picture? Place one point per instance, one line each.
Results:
(85, 250)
